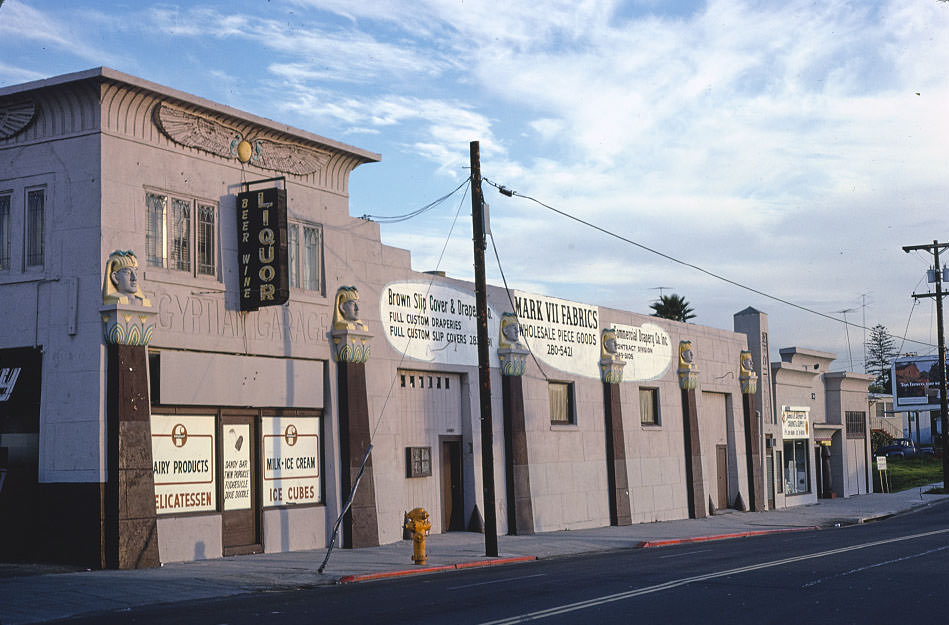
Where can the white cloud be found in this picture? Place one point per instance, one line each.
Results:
(18, 21)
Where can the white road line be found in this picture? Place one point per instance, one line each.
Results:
(873, 566)
(687, 553)
(496, 581)
(589, 603)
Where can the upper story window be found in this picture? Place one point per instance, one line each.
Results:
(35, 220)
(856, 423)
(5, 232)
(181, 234)
(305, 247)
(562, 409)
(649, 406)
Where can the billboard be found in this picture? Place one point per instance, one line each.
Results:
(916, 383)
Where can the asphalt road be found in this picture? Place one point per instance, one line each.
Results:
(896, 570)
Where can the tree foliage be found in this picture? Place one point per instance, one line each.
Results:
(673, 307)
(880, 355)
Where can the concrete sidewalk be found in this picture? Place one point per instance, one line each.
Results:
(33, 594)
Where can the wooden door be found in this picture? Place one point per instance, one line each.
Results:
(241, 510)
(721, 464)
(453, 499)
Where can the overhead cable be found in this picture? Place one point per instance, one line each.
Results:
(511, 193)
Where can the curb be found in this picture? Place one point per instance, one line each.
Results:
(365, 577)
(699, 539)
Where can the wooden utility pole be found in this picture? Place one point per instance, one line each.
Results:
(484, 370)
(934, 249)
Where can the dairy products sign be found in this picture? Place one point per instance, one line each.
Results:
(794, 422)
(647, 350)
(291, 460)
(560, 333)
(183, 463)
(435, 323)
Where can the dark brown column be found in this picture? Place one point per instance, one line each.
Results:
(695, 484)
(753, 454)
(616, 472)
(130, 527)
(360, 525)
(520, 510)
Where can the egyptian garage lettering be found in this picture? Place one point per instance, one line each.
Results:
(183, 463)
(434, 323)
(262, 248)
(291, 466)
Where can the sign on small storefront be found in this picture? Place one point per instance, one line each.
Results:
(183, 463)
(795, 422)
(291, 460)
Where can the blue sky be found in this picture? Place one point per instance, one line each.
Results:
(791, 147)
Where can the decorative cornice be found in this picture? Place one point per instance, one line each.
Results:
(16, 116)
(351, 346)
(611, 370)
(125, 324)
(203, 133)
(513, 360)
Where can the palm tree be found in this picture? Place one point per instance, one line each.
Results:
(672, 307)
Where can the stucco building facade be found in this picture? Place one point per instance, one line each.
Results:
(215, 391)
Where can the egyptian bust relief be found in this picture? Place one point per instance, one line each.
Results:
(510, 331)
(120, 284)
(346, 311)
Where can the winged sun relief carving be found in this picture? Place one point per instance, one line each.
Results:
(15, 117)
(206, 134)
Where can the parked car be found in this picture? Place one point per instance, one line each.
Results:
(903, 448)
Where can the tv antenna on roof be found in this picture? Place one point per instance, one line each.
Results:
(847, 326)
(660, 288)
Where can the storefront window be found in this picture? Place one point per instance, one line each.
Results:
(796, 479)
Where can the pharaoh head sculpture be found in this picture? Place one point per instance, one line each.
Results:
(120, 284)
(688, 373)
(346, 311)
(686, 355)
(510, 331)
(608, 344)
(747, 375)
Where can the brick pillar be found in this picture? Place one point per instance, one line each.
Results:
(520, 509)
(130, 525)
(351, 348)
(749, 386)
(360, 525)
(617, 476)
(694, 478)
(513, 357)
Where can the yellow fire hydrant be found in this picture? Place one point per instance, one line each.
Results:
(418, 524)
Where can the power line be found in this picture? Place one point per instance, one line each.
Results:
(394, 219)
(511, 193)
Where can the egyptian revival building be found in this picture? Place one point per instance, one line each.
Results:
(198, 344)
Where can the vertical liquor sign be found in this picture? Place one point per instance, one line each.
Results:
(262, 248)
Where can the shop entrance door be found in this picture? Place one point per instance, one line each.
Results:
(453, 498)
(721, 464)
(238, 479)
(769, 467)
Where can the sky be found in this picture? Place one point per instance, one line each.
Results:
(777, 155)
